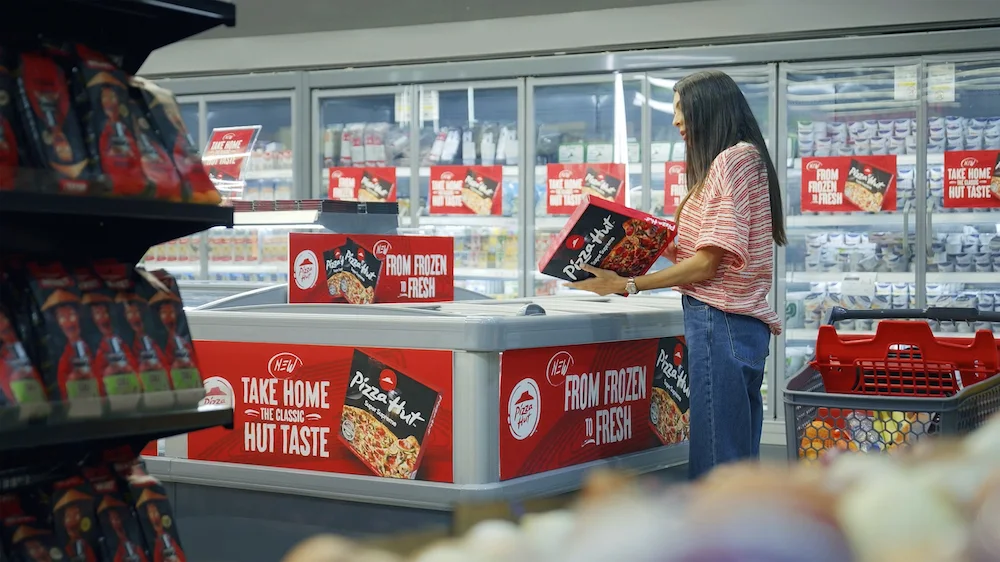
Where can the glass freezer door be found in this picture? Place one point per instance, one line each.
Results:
(469, 170)
(850, 192)
(581, 125)
(963, 188)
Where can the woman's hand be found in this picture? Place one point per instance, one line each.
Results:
(603, 282)
(671, 252)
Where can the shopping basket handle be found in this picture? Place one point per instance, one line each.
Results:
(838, 314)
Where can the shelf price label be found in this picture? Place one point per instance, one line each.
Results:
(376, 185)
(568, 184)
(674, 186)
(972, 179)
(466, 190)
(849, 184)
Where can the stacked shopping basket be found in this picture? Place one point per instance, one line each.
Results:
(878, 393)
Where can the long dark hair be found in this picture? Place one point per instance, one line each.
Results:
(717, 117)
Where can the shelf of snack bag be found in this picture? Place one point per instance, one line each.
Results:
(941, 501)
(95, 357)
(886, 391)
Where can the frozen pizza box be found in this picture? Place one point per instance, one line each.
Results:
(670, 401)
(479, 192)
(609, 236)
(867, 186)
(387, 417)
(352, 273)
(995, 182)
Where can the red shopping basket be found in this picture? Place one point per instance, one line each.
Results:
(904, 358)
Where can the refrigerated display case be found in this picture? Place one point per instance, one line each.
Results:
(582, 126)
(270, 171)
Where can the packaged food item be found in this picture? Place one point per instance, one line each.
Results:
(479, 192)
(995, 182)
(601, 185)
(11, 144)
(156, 518)
(387, 417)
(65, 360)
(608, 236)
(28, 540)
(352, 273)
(119, 527)
(75, 521)
(157, 166)
(20, 383)
(671, 398)
(101, 92)
(866, 186)
(53, 128)
(164, 115)
(171, 332)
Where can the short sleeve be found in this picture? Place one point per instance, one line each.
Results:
(725, 221)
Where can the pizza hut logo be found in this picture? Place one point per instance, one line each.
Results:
(867, 170)
(969, 162)
(678, 354)
(558, 368)
(218, 392)
(676, 170)
(305, 270)
(814, 165)
(575, 242)
(565, 174)
(336, 174)
(387, 380)
(524, 409)
(336, 253)
(228, 136)
(361, 254)
(381, 249)
(447, 176)
(283, 364)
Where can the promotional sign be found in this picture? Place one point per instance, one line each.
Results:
(848, 184)
(674, 186)
(228, 151)
(568, 184)
(362, 184)
(466, 190)
(374, 412)
(563, 406)
(972, 179)
(370, 268)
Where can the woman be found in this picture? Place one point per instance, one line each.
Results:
(723, 260)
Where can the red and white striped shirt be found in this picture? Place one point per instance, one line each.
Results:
(732, 211)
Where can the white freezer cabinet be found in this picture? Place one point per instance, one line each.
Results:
(540, 391)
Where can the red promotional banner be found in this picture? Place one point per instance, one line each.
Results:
(362, 184)
(564, 406)
(972, 179)
(567, 184)
(228, 151)
(370, 268)
(674, 186)
(150, 450)
(848, 184)
(374, 412)
(466, 190)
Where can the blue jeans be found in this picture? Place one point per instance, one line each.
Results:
(726, 357)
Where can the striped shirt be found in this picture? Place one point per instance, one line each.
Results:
(732, 211)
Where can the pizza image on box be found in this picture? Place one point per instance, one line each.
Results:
(866, 186)
(374, 189)
(995, 181)
(352, 273)
(609, 236)
(387, 416)
(478, 192)
(601, 185)
(669, 405)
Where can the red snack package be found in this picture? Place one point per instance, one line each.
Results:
(74, 519)
(119, 525)
(156, 517)
(608, 236)
(10, 138)
(101, 91)
(165, 117)
(156, 162)
(54, 132)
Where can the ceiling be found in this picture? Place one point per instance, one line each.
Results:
(268, 17)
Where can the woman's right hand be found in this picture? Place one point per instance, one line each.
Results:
(670, 252)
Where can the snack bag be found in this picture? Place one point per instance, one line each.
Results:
(171, 332)
(76, 529)
(155, 517)
(113, 361)
(11, 142)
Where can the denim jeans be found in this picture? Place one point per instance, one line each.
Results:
(726, 357)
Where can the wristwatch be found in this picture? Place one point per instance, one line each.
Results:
(630, 287)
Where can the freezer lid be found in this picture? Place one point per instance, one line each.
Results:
(478, 326)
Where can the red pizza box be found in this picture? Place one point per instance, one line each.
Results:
(609, 236)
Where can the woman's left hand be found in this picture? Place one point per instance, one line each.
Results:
(603, 282)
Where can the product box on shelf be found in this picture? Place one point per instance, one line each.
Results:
(159, 527)
(365, 269)
(464, 190)
(119, 527)
(608, 236)
(74, 519)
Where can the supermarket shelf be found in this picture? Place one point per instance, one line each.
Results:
(992, 217)
(222, 286)
(248, 268)
(889, 221)
(269, 175)
(275, 218)
(811, 335)
(69, 226)
(425, 171)
(483, 273)
(130, 28)
(901, 277)
(469, 221)
(550, 223)
(62, 437)
(901, 160)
